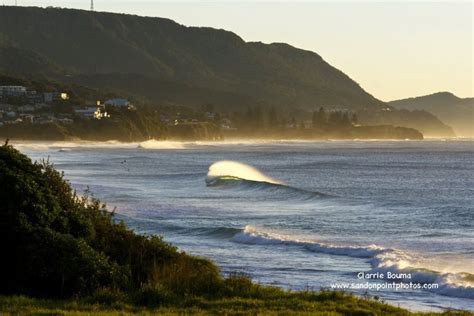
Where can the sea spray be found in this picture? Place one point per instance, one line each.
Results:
(64, 146)
(161, 144)
(232, 174)
(227, 168)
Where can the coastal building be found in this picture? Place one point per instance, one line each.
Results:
(11, 114)
(210, 115)
(88, 111)
(28, 118)
(91, 112)
(12, 91)
(49, 97)
(26, 108)
(118, 102)
(34, 97)
(226, 124)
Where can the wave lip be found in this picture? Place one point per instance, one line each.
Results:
(234, 169)
(231, 174)
(384, 260)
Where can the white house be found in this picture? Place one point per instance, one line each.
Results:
(89, 112)
(93, 112)
(11, 114)
(12, 90)
(118, 103)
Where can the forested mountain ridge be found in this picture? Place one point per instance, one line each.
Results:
(164, 62)
(455, 111)
(83, 42)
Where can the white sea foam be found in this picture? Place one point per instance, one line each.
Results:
(455, 284)
(226, 168)
(258, 236)
(67, 145)
(64, 145)
(162, 144)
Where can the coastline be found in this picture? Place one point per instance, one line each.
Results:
(96, 265)
(148, 144)
(55, 146)
(122, 131)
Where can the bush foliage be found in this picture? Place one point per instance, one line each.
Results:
(60, 244)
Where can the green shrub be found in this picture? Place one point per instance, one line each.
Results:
(59, 244)
(237, 285)
(188, 276)
(107, 296)
(57, 264)
(153, 295)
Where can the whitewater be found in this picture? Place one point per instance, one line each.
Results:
(297, 214)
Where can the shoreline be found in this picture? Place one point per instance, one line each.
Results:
(357, 296)
(92, 264)
(227, 142)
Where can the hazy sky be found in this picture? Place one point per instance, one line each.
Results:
(393, 49)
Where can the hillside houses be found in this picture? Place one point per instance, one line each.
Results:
(91, 112)
(12, 90)
(18, 104)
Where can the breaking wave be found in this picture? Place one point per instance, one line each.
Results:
(63, 146)
(238, 170)
(161, 144)
(383, 260)
(232, 174)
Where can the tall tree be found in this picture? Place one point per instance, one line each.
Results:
(319, 118)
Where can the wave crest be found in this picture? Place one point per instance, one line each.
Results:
(454, 284)
(232, 174)
(238, 170)
(161, 144)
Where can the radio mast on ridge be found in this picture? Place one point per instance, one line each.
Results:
(92, 5)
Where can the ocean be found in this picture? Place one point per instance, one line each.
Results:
(397, 215)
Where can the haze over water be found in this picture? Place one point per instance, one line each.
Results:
(297, 214)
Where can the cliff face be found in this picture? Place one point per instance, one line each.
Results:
(455, 111)
(164, 62)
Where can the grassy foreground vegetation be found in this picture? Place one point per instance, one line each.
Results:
(65, 254)
(328, 304)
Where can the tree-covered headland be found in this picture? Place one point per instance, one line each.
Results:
(29, 117)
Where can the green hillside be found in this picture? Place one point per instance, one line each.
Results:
(168, 63)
